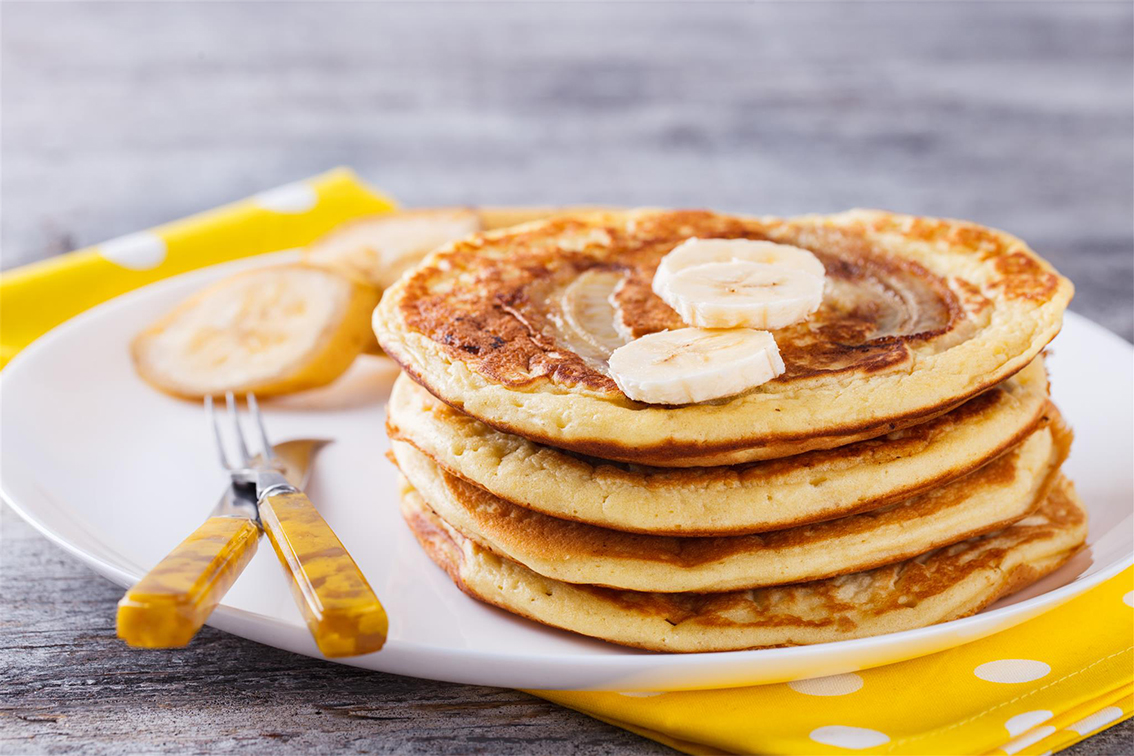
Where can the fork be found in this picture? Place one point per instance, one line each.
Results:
(169, 605)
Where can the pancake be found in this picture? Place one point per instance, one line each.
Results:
(919, 315)
(945, 584)
(996, 495)
(752, 498)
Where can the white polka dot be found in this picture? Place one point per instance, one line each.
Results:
(1012, 670)
(1021, 723)
(642, 693)
(848, 737)
(289, 198)
(835, 685)
(1029, 739)
(1099, 719)
(139, 251)
(1128, 599)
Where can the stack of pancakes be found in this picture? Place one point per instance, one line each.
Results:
(903, 471)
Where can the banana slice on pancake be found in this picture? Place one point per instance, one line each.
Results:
(270, 331)
(379, 249)
(588, 316)
(740, 283)
(742, 294)
(703, 251)
(695, 365)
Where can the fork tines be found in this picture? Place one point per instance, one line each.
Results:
(245, 460)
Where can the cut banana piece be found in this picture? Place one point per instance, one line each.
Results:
(701, 251)
(270, 331)
(695, 365)
(742, 295)
(381, 248)
(586, 310)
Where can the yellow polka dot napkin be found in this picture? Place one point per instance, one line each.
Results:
(38, 297)
(1034, 689)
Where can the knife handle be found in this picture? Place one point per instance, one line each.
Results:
(167, 607)
(341, 610)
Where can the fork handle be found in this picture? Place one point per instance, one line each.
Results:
(167, 607)
(341, 610)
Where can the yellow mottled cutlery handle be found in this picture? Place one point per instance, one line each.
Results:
(168, 606)
(341, 610)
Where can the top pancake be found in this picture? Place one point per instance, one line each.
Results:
(918, 315)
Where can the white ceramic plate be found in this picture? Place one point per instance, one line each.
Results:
(117, 474)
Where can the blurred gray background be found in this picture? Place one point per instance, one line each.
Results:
(121, 116)
(116, 117)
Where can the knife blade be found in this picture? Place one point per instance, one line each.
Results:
(293, 457)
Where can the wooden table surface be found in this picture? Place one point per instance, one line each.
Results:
(121, 116)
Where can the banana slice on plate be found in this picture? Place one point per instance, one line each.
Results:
(273, 330)
(695, 365)
(742, 295)
(701, 251)
(381, 248)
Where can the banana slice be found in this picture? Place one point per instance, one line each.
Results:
(695, 365)
(742, 295)
(701, 251)
(270, 331)
(586, 311)
(381, 248)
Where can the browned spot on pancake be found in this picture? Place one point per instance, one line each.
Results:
(960, 235)
(437, 543)
(975, 238)
(1000, 471)
(952, 563)
(643, 312)
(1024, 278)
(971, 297)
